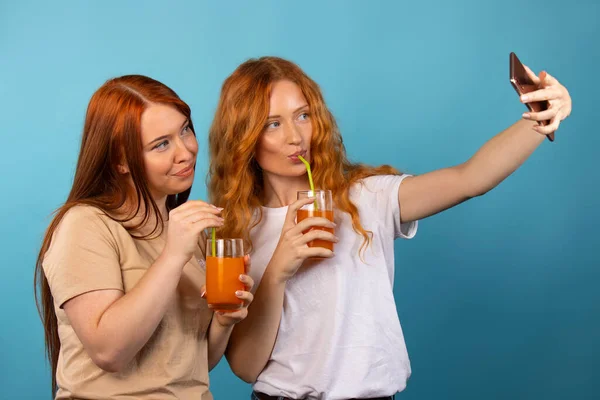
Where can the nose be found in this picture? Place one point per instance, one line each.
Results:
(182, 154)
(292, 134)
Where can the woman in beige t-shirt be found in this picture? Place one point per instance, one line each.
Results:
(121, 268)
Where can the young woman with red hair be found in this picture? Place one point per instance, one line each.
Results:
(325, 325)
(120, 269)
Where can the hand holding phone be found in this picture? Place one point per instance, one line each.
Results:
(523, 84)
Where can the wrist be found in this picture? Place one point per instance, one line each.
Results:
(220, 327)
(274, 277)
(173, 259)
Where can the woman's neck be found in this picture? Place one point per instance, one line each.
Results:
(281, 191)
(136, 215)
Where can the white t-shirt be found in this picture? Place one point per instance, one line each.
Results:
(339, 335)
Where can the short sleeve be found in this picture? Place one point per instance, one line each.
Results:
(83, 256)
(384, 190)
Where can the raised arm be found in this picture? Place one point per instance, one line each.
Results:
(430, 193)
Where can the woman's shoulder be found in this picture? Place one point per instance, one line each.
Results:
(375, 183)
(82, 227)
(85, 214)
(91, 220)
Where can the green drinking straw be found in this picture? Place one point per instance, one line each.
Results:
(310, 179)
(214, 242)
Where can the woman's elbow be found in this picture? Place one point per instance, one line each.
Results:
(242, 369)
(110, 362)
(246, 376)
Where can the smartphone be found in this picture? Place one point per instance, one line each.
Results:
(523, 84)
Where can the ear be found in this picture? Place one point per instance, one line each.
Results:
(123, 169)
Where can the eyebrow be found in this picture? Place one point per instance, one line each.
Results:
(168, 136)
(295, 111)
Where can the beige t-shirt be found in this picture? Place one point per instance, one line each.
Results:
(90, 251)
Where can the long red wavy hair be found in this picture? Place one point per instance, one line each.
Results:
(234, 178)
(111, 135)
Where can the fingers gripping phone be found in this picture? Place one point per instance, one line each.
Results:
(523, 84)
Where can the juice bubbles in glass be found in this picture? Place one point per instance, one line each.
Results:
(321, 207)
(223, 270)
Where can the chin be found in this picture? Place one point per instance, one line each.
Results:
(294, 172)
(286, 170)
(179, 189)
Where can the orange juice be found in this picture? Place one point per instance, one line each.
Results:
(303, 214)
(222, 281)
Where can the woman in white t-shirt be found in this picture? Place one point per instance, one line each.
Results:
(328, 328)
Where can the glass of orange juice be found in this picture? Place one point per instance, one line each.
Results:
(321, 207)
(223, 270)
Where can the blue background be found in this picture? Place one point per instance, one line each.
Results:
(497, 296)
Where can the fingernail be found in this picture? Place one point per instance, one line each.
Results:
(238, 293)
(524, 98)
(242, 278)
(203, 294)
(525, 115)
